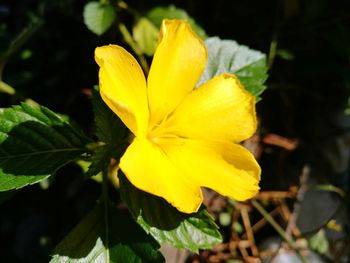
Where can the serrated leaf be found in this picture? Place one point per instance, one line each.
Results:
(145, 34)
(98, 17)
(166, 224)
(157, 14)
(110, 131)
(227, 56)
(88, 242)
(99, 160)
(34, 143)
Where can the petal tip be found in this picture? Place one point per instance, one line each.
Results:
(104, 52)
(190, 207)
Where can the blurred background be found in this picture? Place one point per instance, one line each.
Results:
(46, 56)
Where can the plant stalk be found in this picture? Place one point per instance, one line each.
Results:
(19, 41)
(131, 42)
(278, 228)
(105, 199)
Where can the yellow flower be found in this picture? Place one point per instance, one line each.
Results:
(185, 138)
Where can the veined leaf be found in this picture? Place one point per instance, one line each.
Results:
(227, 56)
(34, 143)
(166, 224)
(125, 240)
(98, 17)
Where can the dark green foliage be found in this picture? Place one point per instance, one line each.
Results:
(109, 128)
(307, 43)
(166, 224)
(34, 143)
(111, 132)
(117, 239)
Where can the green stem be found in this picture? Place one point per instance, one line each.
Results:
(272, 53)
(19, 41)
(275, 34)
(330, 188)
(6, 88)
(278, 228)
(105, 199)
(130, 41)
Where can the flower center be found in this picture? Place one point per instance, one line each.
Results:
(160, 131)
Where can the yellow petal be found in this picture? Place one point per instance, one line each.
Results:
(221, 109)
(225, 167)
(148, 168)
(177, 65)
(123, 86)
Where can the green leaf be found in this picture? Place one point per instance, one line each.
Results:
(111, 132)
(227, 56)
(125, 240)
(319, 242)
(109, 128)
(34, 143)
(100, 159)
(98, 17)
(146, 35)
(166, 224)
(156, 15)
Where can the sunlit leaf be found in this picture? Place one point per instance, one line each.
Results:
(98, 17)
(166, 224)
(319, 242)
(227, 56)
(146, 35)
(34, 143)
(117, 239)
(157, 14)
